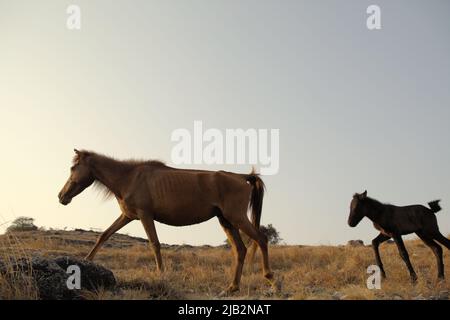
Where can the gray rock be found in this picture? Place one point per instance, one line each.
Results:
(355, 243)
(50, 279)
(78, 242)
(93, 275)
(337, 295)
(183, 246)
(50, 275)
(443, 295)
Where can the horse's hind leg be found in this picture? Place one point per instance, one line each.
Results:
(261, 239)
(252, 251)
(239, 251)
(437, 250)
(405, 256)
(375, 245)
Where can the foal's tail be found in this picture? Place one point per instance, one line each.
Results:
(256, 198)
(434, 206)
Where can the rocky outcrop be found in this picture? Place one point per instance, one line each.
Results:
(355, 243)
(93, 275)
(51, 276)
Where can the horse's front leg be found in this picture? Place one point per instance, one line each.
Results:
(118, 224)
(149, 226)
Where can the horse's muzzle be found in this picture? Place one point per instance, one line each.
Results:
(63, 200)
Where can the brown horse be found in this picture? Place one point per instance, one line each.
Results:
(151, 191)
(393, 222)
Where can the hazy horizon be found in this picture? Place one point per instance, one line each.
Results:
(357, 109)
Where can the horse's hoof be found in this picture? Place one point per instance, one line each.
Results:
(231, 289)
(271, 292)
(269, 276)
(276, 285)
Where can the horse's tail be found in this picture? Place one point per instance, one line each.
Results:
(256, 198)
(434, 206)
(255, 205)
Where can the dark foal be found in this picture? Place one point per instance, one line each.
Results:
(393, 222)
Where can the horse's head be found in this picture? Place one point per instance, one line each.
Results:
(357, 211)
(80, 178)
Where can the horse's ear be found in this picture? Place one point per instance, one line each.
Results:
(364, 194)
(79, 155)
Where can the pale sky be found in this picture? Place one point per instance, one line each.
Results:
(356, 109)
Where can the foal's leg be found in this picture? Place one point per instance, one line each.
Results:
(375, 245)
(119, 223)
(239, 251)
(405, 256)
(437, 250)
(149, 226)
(250, 230)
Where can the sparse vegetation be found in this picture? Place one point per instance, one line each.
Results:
(272, 234)
(22, 224)
(306, 272)
(14, 285)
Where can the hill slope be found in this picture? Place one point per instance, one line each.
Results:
(306, 272)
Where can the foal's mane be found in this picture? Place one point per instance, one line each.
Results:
(373, 203)
(119, 166)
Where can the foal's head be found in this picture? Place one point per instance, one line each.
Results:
(80, 178)
(357, 210)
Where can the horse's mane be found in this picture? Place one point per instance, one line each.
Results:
(117, 165)
(112, 160)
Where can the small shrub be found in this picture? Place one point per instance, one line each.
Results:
(22, 224)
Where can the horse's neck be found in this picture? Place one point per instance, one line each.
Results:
(111, 173)
(374, 211)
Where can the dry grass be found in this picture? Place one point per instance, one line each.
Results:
(13, 284)
(306, 272)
